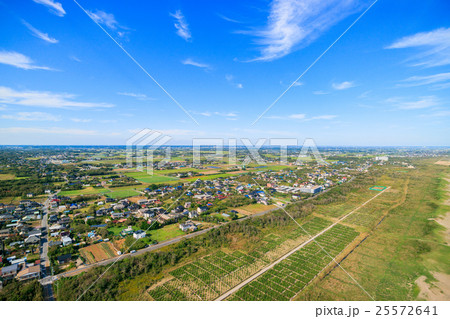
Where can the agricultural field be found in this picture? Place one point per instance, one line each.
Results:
(4, 177)
(406, 258)
(98, 252)
(85, 191)
(287, 278)
(210, 276)
(254, 209)
(165, 233)
(150, 179)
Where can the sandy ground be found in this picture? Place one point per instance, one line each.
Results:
(436, 291)
(440, 289)
(445, 221)
(446, 163)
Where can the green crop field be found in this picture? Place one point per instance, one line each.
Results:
(124, 193)
(150, 179)
(287, 278)
(84, 191)
(166, 233)
(207, 278)
(407, 244)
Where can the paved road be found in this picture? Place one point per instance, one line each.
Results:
(45, 261)
(262, 271)
(50, 279)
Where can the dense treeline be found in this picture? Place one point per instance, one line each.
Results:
(22, 291)
(20, 187)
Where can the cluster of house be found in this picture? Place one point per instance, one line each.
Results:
(15, 224)
(20, 270)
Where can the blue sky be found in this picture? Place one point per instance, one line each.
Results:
(386, 81)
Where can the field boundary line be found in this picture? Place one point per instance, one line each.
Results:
(311, 239)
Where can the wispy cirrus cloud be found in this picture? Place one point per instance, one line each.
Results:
(230, 79)
(421, 103)
(108, 20)
(51, 130)
(20, 61)
(181, 25)
(320, 92)
(32, 116)
(228, 18)
(227, 115)
(435, 46)
(442, 113)
(139, 96)
(53, 6)
(190, 61)
(343, 85)
(78, 120)
(438, 81)
(302, 117)
(39, 34)
(293, 24)
(45, 99)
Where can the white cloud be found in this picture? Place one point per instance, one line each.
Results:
(52, 130)
(443, 113)
(303, 117)
(296, 23)
(228, 19)
(55, 7)
(421, 103)
(76, 59)
(32, 116)
(195, 63)
(297, 116)
(138, 96)
(440, 80)
(320, 92)
(343, 85)
(181, 25)
(106, 19)
(39, 34)
(77, 120)
(323, 117)
(45, 99)
(230, 79)
(435, 47)
(228, 115)
(19, 61)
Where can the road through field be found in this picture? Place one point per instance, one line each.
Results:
(262, 271)
(51, 279)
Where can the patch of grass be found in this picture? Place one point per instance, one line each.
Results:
(166, 233)
(4, 177)
(150, 179)
(124, 193)
(85, 191)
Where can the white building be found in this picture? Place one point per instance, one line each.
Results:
(139, 234)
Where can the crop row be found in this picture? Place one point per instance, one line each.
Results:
(210, 276)
(287, 278)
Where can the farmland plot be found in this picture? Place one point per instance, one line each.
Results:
(287, 278)
(211, 276)
(98, 252)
